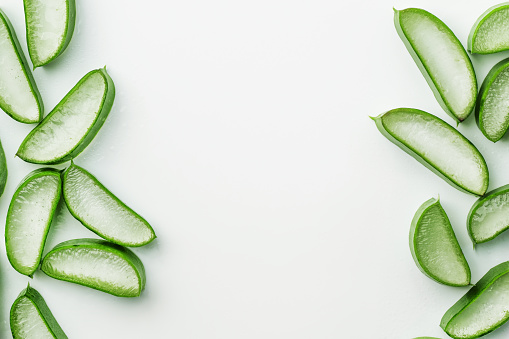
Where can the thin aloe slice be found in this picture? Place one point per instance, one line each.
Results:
(438, 146)
(29, 218)
(490, 33)
(434, 246)
(19, 96)
(31, 317)
(441, 59)
(97, 264)
(101, 211)
(483, 309)
(73, 123)
(3, 170)
(49, 28)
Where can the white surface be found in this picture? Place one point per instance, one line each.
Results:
(240, 131)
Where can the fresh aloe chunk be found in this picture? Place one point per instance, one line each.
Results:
(97, 264)
(3, 170)
(101, 211)
(19, 96)
(490, 33)
(434, 246)
(441, 59)
(49, 28)
(483, 309)
(31, 317)
(29, 218)
(73, 123)
(438, 146)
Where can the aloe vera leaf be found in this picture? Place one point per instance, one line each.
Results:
(490, 32)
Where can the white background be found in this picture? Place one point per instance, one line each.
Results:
(240, 131)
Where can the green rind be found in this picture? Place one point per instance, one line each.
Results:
(32, 175)
(94, 229)
(28, 74)
(107, 103)
(484, 283)
(422, 160)
(118, 250)
(440, 97)
(414, 229)
(43, 310)
(3, 170)
(475, 28)
(71, 19)
(488, 196)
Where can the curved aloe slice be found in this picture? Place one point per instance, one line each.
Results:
(490, 33)
(97, 264)
(492, 109)
(434, 246)
(484, 308)
(438, 146)
(31, 317)
(49, 28)
(102, 212)
(73, 123)
(29, 218)
(19, 96)
(441, 58)
(3, 170)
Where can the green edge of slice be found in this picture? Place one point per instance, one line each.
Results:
(30, 297)
(474, 42)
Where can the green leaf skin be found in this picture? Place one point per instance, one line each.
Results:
(483, 31)
(34, 28)
(6, 104)
(490, 294)
(43, 145)
(457, 92)
(78, 249)
(450, 136)
(3, 170)
(31, 295)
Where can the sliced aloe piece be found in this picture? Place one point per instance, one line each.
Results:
(31, 317)
(73, 123)
(102, 212)
(49, 28)
(29, 218)
(434, 246)
(441, 59)
(3, 170)
(438, 146)
(484, 308)
(490, 33)
(97, 264)
(19, 96)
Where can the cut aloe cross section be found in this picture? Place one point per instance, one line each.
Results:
(73, 123)
(438, 146)
(492, 109)
(19, 96)
(435, 248)
(29, 218)
(97, 264)
(489, 216)
(490, 33)
(441, 59)
(102, 212)
(31, 317)
(484, 308)
(49, 28)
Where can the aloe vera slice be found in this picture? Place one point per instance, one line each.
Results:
(97, 264)
(101, 211)
(29, 218)
(441, 59)
(31, 317)
(490, 33)
(438, 146)
(49, 28)
(73, 123)
(484, 308)
(19, 96)
(434, 246)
